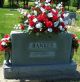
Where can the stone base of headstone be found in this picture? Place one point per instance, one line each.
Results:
(64, 71)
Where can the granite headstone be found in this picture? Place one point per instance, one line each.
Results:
(43, 56)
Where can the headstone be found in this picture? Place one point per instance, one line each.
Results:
(43, 56)
(43, 49)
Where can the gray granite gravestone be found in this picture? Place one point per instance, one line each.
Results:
(47, 55)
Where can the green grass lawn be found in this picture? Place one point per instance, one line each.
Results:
(10, 17)
(77, 56)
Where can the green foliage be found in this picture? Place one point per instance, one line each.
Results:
(73, 3)
(78, 20)
(71, 8)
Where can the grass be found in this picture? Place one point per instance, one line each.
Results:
(77, 56)
(8, 18)
(78, 19)
(1, 58)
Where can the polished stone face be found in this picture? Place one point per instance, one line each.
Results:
(46, 48)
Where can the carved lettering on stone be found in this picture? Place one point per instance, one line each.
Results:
(39, 45)
(42, 54)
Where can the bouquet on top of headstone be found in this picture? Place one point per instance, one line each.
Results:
(45, 16)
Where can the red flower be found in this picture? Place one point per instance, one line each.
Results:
(55, 12)
(6, 36)
(45, 20)
(62, 24)
(55, 18)
(48, 8)
(62, 16)
(42, 17)
(74, 35)
(22, 27)
(31, 17)
(31, 23)
(56, 30)
(1, 47)
(62, 9)
(36, 30)
(43, 5)
(48, 24)
(78, 41)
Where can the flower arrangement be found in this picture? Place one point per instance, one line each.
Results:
(75, 42)
(5, 43)
(44, 17)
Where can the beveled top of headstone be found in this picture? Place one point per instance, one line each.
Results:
(46, 48)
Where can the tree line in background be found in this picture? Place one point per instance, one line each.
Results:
(13, 2)
(75, 3)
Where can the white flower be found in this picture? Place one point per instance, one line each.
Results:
(3, 43)
(50, 15)
(22, 11)
(35, 12)
(56, 23)
(53, 10)
(35, 20)
(26, 21)
(36, 2)
(38, 25)
(3, 39)
(59, 6)
(66, 14)
(28, 15)
(8, 38)
(48, 1)
(14, 27)
(61, 28)
(30, 28)
(17, 28)
(61, 20)
(25, 13)
(39, 4)
(59, 14)
(42, 9)
(47, 4)
(19, 25)
(50, 30)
